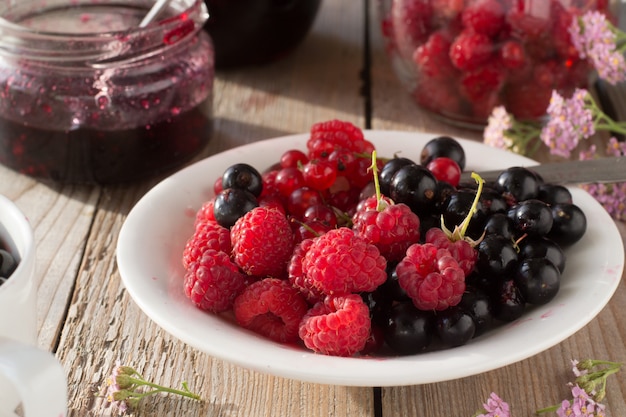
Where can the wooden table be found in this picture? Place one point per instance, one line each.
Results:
(87, 318)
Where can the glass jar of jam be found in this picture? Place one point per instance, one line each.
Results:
(256, 32)
(459, 59)
(89, 96)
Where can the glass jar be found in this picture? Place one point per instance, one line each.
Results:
(461, 59)
(255, 32)
(88, 96)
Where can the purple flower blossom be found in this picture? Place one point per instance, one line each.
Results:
(497, 125)
(570, 120)
(596, 38)
(495, 407)
(582, 405)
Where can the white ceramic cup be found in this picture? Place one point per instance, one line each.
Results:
(32, 380)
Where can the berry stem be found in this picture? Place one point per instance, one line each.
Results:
(459, 231)
(374, 167)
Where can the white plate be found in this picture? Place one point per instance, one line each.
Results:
(153, 236)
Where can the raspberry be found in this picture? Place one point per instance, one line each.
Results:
(438, 96)
(272, 308)
(447, 9)
(205, 213)
(433, 57)
(411, 20)
(484, 16)
(392, 230)
(482, 82)
(528, 100)
(461, 250)
(334, 134)
(213, 282)
(208, 235)
(297, 278)
(262, 242)
(469, 50)
(431, 277)
(512, 55)
(341, 262)
(338, 326)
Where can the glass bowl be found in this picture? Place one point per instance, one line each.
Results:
(459, 59)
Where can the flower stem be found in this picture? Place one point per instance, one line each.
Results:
(185, 392)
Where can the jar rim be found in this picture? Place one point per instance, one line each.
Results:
(183, 19)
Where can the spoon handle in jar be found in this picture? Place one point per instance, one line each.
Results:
(154, 12)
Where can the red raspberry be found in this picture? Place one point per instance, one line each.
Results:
(447, 9)
(512, 55)
(433, 57)
(411, 20)
(205, 213)
(208, 235)
(470, 50)
(297, 278)
(213, 282)
(331, 135)
(340, 262)
(461, 250)
(484, 16)
(392, 229)
(272, 308)
(528, 100)
(262, 242)
(431, 277)
(338, 326)
(438, 96)
(482, 82)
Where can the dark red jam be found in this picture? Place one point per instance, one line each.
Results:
(104, 156)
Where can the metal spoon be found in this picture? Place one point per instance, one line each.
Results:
(154, 12)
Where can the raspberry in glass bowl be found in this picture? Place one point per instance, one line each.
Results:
(461, 58)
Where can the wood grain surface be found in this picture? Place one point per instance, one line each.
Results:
(87, 318)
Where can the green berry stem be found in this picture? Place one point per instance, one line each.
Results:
(459, 231)
(374, 167)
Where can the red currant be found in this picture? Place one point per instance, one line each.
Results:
(445, 169)
(287, 180)
(321, 213)
(319, 174)
(293, 158)
(301, 199)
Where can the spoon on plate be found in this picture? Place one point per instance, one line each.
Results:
(610, 169)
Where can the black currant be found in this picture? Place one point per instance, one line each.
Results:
(477, 304)
(518, 184)
(457, 208)
(506, 301)
(554, 194)
(532, 217)
(415, 186)
(408, 330)
(455, 327)
(8, 264)
(243, 176)
(499, 224)
(388, 171)
(569, 226)
(541, 247)
(538, 280)
(497, 256)
(231, 204)
(443, 146)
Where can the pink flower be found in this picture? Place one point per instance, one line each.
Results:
(570, 120)
(495, 407)
(582, 405)
(596, 39)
